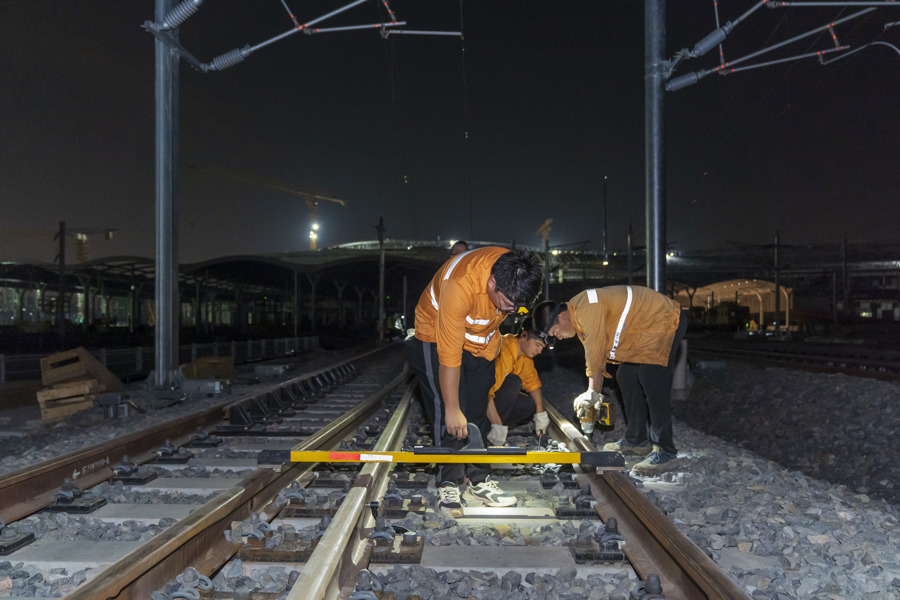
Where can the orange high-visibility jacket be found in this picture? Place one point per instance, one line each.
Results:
(455, 312)
(624, 323)
(510, 362)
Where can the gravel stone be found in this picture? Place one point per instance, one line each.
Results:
(786, 479)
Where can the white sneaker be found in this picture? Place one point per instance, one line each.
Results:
(488, 493)
(449, 504)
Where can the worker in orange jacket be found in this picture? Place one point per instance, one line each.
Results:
(453, 349)
(641, 330)
(516, 396)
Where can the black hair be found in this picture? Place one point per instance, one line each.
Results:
(527, 327)
(518, 275)
(545, 314)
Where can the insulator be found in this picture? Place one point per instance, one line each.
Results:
(682, 82)
(711, 41)
(229, 59)
(180, 13)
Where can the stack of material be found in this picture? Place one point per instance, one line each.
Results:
(210, 367)
(74, 378)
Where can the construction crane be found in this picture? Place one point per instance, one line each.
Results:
(312, 198)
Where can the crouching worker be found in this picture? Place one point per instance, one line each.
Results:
(452, 354)
(640, 329)
(516, 396)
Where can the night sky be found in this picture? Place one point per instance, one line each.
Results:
(551, 94)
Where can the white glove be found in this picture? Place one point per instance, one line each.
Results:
(497, 435)
(541, 423)
(585, 400)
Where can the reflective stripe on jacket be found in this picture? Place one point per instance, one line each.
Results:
(510, 362)
(455, 312)
(645, 335)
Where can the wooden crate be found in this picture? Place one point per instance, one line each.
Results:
(78, 365)
(65, 399)
(210, 367)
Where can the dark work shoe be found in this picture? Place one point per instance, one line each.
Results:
(623, 447)
(658, 461)
(449, 503)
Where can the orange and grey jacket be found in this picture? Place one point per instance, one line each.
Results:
(510, 362)
(455, 312)
(624, 323)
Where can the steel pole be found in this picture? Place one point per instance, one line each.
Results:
(654, 88)
(546, 268)
(166, 330)
(605, 252)
(380, 279)
(61, 298)
(777, 331)
(628, 262)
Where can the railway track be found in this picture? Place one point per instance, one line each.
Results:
(852, 359)
(357, 530)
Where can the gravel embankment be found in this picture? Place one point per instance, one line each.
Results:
(789, 480)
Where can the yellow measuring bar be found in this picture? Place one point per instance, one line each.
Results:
(443, 456)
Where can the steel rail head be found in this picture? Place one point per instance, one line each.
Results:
(319, 576)
(261, 487)
(686, 572)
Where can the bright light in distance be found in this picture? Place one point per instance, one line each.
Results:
(671, 254)
(605, 263)
(554, 252)
(315, 226)
(312, 235)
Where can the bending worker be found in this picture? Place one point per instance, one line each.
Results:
(516, 395)
(452, 354)
(641, 330)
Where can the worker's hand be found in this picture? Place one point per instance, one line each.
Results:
(585, 400)
(541, 423)
(457, 424)
(497, 435)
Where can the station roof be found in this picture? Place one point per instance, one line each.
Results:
(730, 289)
(742, 268)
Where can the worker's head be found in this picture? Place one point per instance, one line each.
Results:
(531, 342)
(553, 320)
(515, 281)
(458, 247)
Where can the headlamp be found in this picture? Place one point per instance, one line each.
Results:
(545, 336)
(549, 340)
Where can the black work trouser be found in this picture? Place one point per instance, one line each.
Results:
(646, 394)
(514, 406)
(476, 378)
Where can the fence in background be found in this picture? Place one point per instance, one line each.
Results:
(135, 362)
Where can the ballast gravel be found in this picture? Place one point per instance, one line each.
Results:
(789, 480)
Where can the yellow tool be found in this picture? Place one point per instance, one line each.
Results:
(498, 455)
(606, 414)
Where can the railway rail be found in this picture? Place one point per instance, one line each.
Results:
(355, 530)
